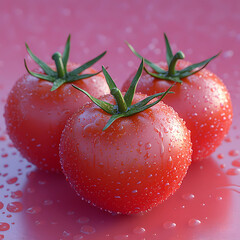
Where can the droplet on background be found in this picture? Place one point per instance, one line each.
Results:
(169, 225)
(15, 207)
(16, 194)
(139, 230)
(34, 210)
(4, 226)
(87, 229)
(12, 180)
(188, 196)
(233, 171)
(236, 163)
(233, 153)
(194, 222)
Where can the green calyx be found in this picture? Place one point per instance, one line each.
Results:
(61, 76)
(124, 107)
(172, 74)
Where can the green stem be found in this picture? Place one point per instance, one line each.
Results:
(176, 57)
(57, 57)
(121, 104)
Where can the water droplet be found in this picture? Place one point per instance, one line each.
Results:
(120, 237)
(188, 196)
(233, 171)
(34, 210)
(233, 153)
(236, 163)
(15, 207)
(139, 230)
(148, 146)
(77, 237)
(194, 222)
(87, 229)
(12, 180)
(4, 226)
(16, 194)
(169, 225)
(47, 202)
(83, 220)
(1, 205)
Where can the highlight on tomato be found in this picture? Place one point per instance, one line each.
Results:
(42, 100)
(200, 98)
(125, 153)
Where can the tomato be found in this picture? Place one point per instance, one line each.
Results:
(131, 165)
(35, 116)
(200, 98)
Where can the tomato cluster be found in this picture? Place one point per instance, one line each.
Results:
(122, 152)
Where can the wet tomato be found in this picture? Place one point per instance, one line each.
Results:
(37, 108)
(200, 98)
(132, 164)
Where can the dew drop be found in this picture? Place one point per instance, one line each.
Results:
(34, 210)
(236, 163)
(188, 196)
(15, 207)
(1, 205)
(139, 230)
(77, 237)
(87, 229)
(16, 194)
(233, 171)
(83, 220)
(169, 225)
(120, 237)
(148, 146)
(233, 153)
(194, 222)
(4, 226)
(12, 180)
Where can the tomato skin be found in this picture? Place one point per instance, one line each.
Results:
(202, 100)
(35, 116)
(132, 166)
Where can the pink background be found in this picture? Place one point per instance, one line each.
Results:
(35, 205)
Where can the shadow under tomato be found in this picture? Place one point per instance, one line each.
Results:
(197, 209)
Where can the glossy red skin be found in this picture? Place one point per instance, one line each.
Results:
(132, 166)
(202, 100)
(35, 117)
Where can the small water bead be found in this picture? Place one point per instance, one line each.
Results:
(34, 210)
(83, 220)
(47, 202)
(169, 225)
(1, 205)
(236, 162)
(139, 230)
(233, 171)
(87, 229)
(15, 207)
(78, 237)
(12, 180)
(121, 237)
(16, 194)
(233, 153)
(4, 226)
(188, 196)
(148, 146)
(194, 222)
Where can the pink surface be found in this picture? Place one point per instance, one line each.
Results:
(35, 205)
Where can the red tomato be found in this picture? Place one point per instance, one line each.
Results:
(38, 106)
(202, 100)
(133, 165)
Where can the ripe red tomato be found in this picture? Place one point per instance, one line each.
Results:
(201, 99)
(35, 116)
(134, 164)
